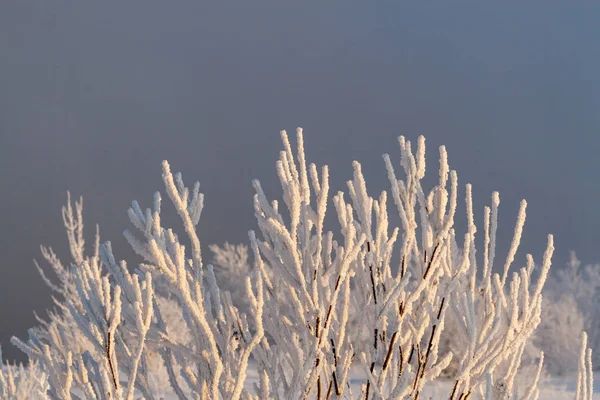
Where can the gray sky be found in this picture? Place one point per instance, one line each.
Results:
(94, 96)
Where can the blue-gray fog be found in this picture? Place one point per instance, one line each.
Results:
(94, 96)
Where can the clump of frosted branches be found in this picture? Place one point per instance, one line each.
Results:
(18, 382)
(404, 312)
(214, 363)
(311, 296)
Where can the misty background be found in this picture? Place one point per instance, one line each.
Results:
(94, 96)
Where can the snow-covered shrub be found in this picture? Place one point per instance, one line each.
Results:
(232, 266)
(438, 263)
(579, 286)
(561, 322)
(310, 293)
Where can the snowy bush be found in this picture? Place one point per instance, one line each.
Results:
(561, 322)
(232, 266)
(167, 329)
(573, 303)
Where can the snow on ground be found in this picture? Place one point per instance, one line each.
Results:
(550, 388)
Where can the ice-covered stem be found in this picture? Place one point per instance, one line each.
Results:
(533, 391)
(585, 374)
(74, 224)
(189, 209)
